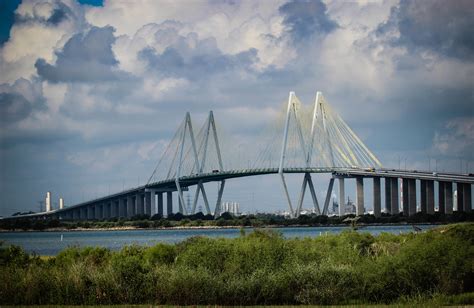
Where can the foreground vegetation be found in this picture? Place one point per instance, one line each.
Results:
(258, 268)
(226, 219)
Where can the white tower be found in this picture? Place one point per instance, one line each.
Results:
(61, 203)
(48, 201)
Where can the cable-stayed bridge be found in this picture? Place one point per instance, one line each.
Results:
(304, 139)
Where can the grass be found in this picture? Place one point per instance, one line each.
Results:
(261, 268)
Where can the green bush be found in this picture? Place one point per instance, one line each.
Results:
(259, 268)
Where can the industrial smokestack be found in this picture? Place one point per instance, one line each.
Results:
(61, 203)
(48, 201)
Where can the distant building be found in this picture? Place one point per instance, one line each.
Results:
(231, 207)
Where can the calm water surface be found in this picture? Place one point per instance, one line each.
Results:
(50, 243)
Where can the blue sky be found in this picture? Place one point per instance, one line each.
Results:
(92, 91)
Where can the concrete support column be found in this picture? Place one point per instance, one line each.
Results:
(406, 210)
(460, 196)
(360, 196)
(113, 209)
(467, 197)
(394, 191)
(106, 210)
(140, 204)
(411, 197)
(342, 197)
(122, 212)
(169, 203)
(76, 214)
(423, 202)
(377, 198)
(180, 205)
(117, 209)
(388, 195)
(90, 212)
(148, 200)
(98, 211)
(441, 198)
(430, 197)
(83, 213)
(160, 204)
(448, 193)
(130, 206)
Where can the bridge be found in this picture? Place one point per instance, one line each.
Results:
(304, 140)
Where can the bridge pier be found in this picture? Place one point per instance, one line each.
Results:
(160, 204)
(448, 192)
(342, 197)
(441, 198)
(98, 211)
(130, 206)
(180, 205)
(411, 197)
(388, 195)
(423, 201)
(122, 211)
(169, 203)
(430, 197)
(377, 197)
(360, 196)
(148, 200)
(394, 196)
(467, 197)
(405, 197)
(140, 204)
(464, 196)
(460, 197)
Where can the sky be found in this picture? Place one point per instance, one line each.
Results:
(91, 92)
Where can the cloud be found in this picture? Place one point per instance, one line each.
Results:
(95, 88)
(436, 26)
(456, 139)
(19, 100)
(306, 19)
(86, 57)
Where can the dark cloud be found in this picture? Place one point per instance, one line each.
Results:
(197, 62)
(13, 107)
(443, 27)
(85, 57)
(60, 12)
(307, 18)
(19, 100)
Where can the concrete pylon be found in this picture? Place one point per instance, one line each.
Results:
(377, 198)
(448, 192)
(423, 200)
(405, 201)
(360, 196)
(131, 206)
(441, 198)
(394, 196)
(388, 195)
(160, 204)
(430, 197)
(148, 201)
(342, 197)
(411, 197)
(169, 203)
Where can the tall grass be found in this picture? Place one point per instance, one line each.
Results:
(259, 268)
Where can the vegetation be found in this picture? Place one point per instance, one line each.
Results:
(226, 219)
(260, 268)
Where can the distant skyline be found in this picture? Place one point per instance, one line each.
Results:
(92, 91)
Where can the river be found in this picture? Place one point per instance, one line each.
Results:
(50, 243)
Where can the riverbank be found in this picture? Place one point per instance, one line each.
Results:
(257, 268)
(128, 228)
(201, 221)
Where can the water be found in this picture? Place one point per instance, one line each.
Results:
(50, 243)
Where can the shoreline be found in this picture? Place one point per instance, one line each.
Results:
(132, 228)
